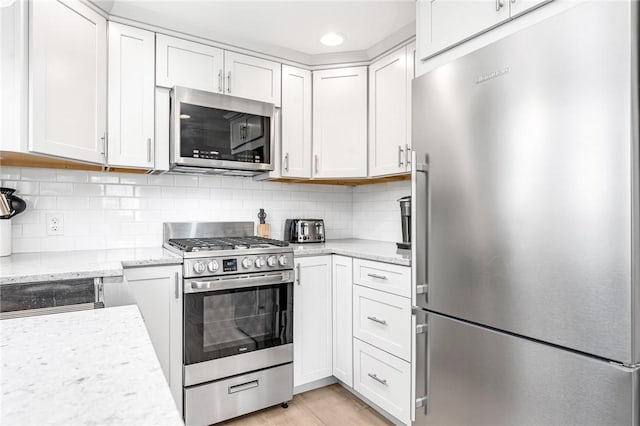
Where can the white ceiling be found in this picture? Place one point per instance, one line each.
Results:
(294, 25)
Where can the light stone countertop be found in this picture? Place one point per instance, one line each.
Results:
(69, 265)
(82, 368)
(380, 251)
(49, 266)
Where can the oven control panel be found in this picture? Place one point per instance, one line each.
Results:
(226, 265)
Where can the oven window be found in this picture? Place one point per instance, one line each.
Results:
(232, 322)
(212, 133)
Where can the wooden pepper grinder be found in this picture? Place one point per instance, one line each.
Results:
(264, 229)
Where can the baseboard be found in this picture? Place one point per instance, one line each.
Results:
(315, 385)
(380, 411)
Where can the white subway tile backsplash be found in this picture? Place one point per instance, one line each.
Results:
(9, 173)
(88, 189)
(72, 176)
(133, 179)
(119, 210)
(119, 190)
(55, 188)
(148, 191)
(38, 174)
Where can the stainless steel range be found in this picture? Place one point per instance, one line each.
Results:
(237, 319)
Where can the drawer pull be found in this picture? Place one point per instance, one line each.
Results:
(243, 386)
(379, 321)
(380, 277)
(377, 379)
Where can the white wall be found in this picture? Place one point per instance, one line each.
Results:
(117, 210)
(376, 211)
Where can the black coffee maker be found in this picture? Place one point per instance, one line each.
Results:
(405, 217)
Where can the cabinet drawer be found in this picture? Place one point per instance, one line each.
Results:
(383, 320)
(383, 276)
(383, 379)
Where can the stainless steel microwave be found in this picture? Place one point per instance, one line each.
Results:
(215, 133)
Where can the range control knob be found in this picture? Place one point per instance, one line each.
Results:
(282, 260)
(271, 261)
(247, 263)
(199, 267)
(260, 262)
(213, 266)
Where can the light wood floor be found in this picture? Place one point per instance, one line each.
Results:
(331, 405)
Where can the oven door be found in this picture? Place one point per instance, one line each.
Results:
(238, 316)
(215, 131)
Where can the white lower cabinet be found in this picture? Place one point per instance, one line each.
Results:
(383, 319)
(342, 272)
(157, 291)
(382, 378)
(312, 332)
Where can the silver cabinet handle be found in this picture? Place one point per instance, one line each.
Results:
(499, 5)
(220, 81)
(103, 141)
(243, 386)
(377, 379)
(380, 277)
(229, 82)
(407, 155)
(286, 162)
(298, 273)
(316, 162)
(148, 150)
(379, 321)
(177, 290)
(421, 362)
(400, 155)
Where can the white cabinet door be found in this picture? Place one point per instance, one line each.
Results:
(185, 63)
(312, 351)
(340, 123)
(296, 122)
(521, 6)
(342, 272)
(382, 320)
(131, 96)
(384, 379)
(389, 113)
(68, 85)
(252, 78)
(453, 21)
(157, 291)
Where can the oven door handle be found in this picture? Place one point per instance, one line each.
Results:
(227, 283)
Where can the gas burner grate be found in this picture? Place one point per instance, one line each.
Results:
(224, 243)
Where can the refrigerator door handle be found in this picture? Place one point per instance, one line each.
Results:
(419, 230)
(420, 366)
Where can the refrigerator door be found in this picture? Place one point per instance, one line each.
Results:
(530, 147)
(477, 376)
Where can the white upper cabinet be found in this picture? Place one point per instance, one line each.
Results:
(296, 122)
(185, 63)
(252, 78)
(68, 85)
(445, 23)
(131, 97)
(340, 123)
(199, 66)
(390, 113)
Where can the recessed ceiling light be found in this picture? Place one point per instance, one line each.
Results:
(185, 116)
(332, 39)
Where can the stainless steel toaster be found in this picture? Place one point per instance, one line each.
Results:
(304, 230)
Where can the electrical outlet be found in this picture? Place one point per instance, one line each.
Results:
(55, 224)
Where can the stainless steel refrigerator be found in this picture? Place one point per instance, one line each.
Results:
(526, 227)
